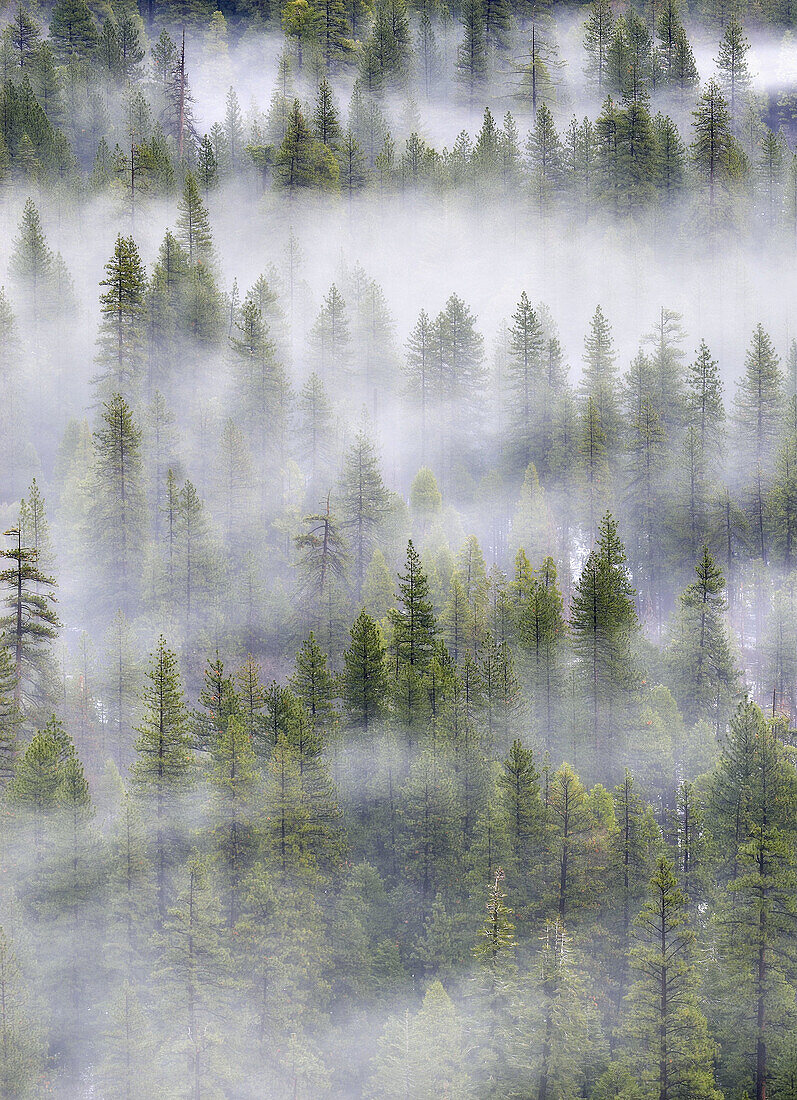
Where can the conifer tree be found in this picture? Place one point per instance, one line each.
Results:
(315, 430)
(31, 621)
(194, 224)
(330, 339)
(364, 502)
(121, 335)
(716, 155)
(755, 919)
(128, 1067)
(22, 1052)
(700, 654)
(413, 621)
(73, 30)
(119, 506)
(472, 53)
(524, 368)
(302, 161)
(325, 116)
(32, 264)
(664, 1016)
(365, 679)
(599, 377)
(541, 635)
(192, 964)
(568, 814)
(598, 31)
(732, 64)
(522, 817)
(324, 558)
(419, 368)
(603, 620)
(163, 761)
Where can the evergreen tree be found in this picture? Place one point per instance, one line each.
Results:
(194, 224)
(732, 64)
(121, 335)
(664, 1014)
(413, 621)
(598, 380)
(598, 31)
(365, 678)
(472, 53)
(22, 1052)
(31, 621)
(700, 654)
(119, 506)
(524, 368)
(603, 620)
(73, 30)
(759, 906)
(163, 762)
(364, 502)
(717, 157)
(759, 411)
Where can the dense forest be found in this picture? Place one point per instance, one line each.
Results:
(398, 586)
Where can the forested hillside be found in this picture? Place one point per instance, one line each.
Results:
(398, 593)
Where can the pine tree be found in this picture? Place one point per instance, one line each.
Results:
(192, 967)
(715, 153)
(195, 555)
(119, 506)
(315, 686)
(302, 161)
(73, 30)
(364, 502)
(758, 910)
(541, 635)
(315, 430)
(732, 64)
(128, 1066)
(423, 1052)
(326, 118)
(419, 372)
(121, 335)
(32, 266)
(365, 678)
(194, 224)
(759, 412)
(598, 31)
(471, 61)
(234, 783)
(546, 156)
(782, 502)
(664, 1016)
(524, 368)
(599, 377)
(602, 622)
(324, 559)
(31, 621)
(705, 408)
(334, 32)
(700, 655)
(163, 761)
(9, 718)
(330, 339)
(22, 1052)
(262, 385)
(569, 826)
(522, 818)
(25, 37)
(413, 621)
(428, 815)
